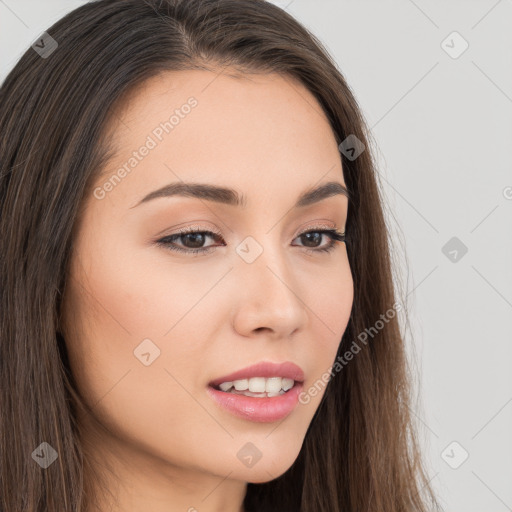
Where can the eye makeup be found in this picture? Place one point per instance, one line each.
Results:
(197, 236)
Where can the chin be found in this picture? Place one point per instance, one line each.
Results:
(265, 472)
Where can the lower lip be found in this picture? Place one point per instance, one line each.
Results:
(261, 410)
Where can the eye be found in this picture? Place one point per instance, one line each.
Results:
(315, 235)
(194, 238)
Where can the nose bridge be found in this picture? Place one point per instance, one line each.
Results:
(269, 293)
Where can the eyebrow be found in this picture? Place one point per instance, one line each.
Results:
(231, 197)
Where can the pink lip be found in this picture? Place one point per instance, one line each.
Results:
(258, 409)
(267, 409)
(264, 369)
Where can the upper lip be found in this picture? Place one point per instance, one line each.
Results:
(264, 369)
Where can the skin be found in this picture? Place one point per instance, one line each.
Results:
(171, 447)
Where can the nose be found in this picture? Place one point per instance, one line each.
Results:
(269, 298)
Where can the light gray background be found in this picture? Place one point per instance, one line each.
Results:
(444, 132)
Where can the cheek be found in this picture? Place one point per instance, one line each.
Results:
(330, 307)
(115, 299)
(124, 311)
(329, 302)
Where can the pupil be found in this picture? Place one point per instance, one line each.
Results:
(198, 237)
(313, 235)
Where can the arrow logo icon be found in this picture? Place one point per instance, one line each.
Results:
(44, 455)
(351, 147)
(454, 249)
(146, 352)
(249, 455)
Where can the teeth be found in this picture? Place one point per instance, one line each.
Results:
(258, 395)
(257, 384)
(241, 385)
(287, 384)
(225, 386)
(271, 385)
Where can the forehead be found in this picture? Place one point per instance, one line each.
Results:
(251, 132)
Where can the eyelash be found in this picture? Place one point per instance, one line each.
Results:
(167, 242)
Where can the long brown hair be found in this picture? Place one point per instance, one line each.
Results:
(360, 452)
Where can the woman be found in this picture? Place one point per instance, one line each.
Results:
(197, 305)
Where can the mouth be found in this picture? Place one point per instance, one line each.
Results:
(257, 387)
(264, 379)
(264, 392)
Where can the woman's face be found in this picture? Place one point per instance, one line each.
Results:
(148, 328)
